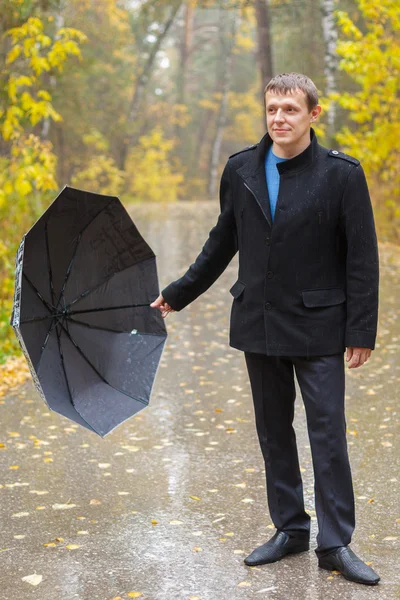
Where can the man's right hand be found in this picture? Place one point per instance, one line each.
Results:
(162, 306)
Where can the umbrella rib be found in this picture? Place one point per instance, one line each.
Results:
(76, 249)
(50, 329)
(95, 216)
(75, 312)
(96, 371)
(69, 269)
(47, 304)
(89, 310)
(49, 262)
(67, 382)
(73, 257)
(97, 285)
(50, 316)
(112, 330)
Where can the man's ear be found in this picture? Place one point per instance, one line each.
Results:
(316, 111)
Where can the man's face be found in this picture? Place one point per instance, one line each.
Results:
(288, 117)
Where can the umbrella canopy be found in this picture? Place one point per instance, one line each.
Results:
(85, 278)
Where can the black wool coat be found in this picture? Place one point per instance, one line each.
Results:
(308, 282)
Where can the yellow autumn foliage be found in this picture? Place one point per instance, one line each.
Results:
(246, 113)
(28, 170)
(101, 175)
(372, 60)
(151, 174)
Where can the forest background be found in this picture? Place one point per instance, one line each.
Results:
(146, 99)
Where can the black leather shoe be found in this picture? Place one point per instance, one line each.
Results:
(350, 566)
(277, 547)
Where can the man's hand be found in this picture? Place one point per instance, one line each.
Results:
(357, 356)
(162, 306)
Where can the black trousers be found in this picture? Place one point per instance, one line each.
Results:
(322, 382)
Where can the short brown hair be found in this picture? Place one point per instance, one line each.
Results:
(289, 82)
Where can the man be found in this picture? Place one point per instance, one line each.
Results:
(301, 218)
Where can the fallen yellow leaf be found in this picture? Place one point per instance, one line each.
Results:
(72, 546)
(176, 522)
(63, 506)
(33, 579)
(134, 594)
(195, 498)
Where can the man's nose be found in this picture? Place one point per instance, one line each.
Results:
(279, 115)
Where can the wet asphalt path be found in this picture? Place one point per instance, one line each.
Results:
(170, 503)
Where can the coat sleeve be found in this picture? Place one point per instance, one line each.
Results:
(216, 254)
(362, 262)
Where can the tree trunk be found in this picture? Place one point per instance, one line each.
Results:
(264, 50)
(331, 59)
(140, 86)
(227, 64)
(185, 52)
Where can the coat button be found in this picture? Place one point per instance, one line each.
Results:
(268, 305)
(270, 274)
(268, 241)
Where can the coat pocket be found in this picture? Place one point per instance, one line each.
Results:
(323, 297)
(237, 289)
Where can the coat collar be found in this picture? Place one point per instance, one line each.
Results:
(253, 171)
(293, 165)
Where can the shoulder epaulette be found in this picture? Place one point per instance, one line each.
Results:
(337, 154)
(244, 150)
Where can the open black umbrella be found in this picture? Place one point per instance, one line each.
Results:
(85, 278)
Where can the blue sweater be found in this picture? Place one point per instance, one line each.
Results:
(272, 174)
